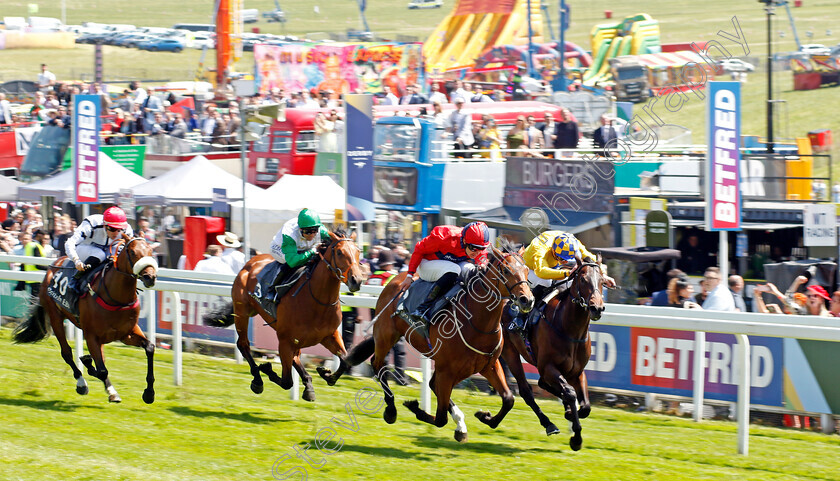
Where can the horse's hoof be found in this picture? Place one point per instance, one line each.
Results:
(583, 412)
(83, 390)
(114, 398)
(551, 429)
(482, 416)
(390, 414)
(309, 395)
(149, 396)
(326, 375)
(257, 388)
(575, 442)
(461, 437)
(569, 416)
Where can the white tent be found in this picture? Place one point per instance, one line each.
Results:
(9, 189)
(288, 196)
(112, 178)
(192, 185)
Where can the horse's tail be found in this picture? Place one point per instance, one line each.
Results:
(33, 329)
(221, 316)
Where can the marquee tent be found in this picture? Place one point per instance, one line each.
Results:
(112, 178)
(192, 184)
(9, 189)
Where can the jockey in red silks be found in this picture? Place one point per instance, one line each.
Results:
(442, 255)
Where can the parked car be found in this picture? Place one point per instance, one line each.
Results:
(425, 4)
(162, 44)
(736, 65)
(815, 49)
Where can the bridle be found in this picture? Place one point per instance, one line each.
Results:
(137, 266)
(508, 287)
(577, 298)
(341, 276)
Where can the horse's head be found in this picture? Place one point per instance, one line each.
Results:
(136, 259)
(588, 287)
(507, 267)
(342, 257)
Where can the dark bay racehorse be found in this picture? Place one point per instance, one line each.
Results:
(309, 314)
(109, 314)
(560, 348)
(465, 338)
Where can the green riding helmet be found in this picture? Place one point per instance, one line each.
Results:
(308, 218)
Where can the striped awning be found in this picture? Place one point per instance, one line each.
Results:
(670, 59)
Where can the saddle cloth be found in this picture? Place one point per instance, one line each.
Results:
(415, 296)
(65, 289)
(264, 290)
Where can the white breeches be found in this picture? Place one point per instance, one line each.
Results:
(87, 250)
(434, 270)
(534, 281)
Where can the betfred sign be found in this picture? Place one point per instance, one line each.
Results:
(820, 225)
(723, 157)
(86, 147)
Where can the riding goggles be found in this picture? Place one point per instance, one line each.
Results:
(310, 230)
(474, 247)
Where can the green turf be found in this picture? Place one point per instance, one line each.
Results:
(680, 22)
(214, 428)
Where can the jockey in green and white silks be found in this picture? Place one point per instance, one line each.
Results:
(296, 242)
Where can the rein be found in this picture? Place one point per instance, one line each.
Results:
(341, 276)
(577, 300)
(137, 266)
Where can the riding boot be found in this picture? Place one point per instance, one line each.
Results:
(278, 280)
(441, 286)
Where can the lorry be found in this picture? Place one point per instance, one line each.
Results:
(631, 79)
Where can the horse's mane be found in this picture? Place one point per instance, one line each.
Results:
(338, 232)
(507, 246)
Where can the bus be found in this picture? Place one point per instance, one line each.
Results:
(290, 146)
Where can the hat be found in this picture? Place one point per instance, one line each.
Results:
(386, 257)
(229, 239)
(820, 291)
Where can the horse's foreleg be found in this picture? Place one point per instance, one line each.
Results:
(357, 355)
(57, 322)
(381, 373)
(137, 338)
(242, 320)
(335, 344)
(581, 387)
(308, 390)
(554, 378)
(287, 358)
(443, 393)
(511, 356)
(496, 376)
(95, 363)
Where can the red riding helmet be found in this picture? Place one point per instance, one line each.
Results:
(115, 217)
(476, 234)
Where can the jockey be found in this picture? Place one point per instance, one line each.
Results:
(550, 258)
(93, 239)
(297, 240)
(442, 255)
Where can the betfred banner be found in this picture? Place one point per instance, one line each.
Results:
(723, 157)
(86, 127)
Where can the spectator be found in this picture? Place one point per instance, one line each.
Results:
(158, 126)
(5, 110)
(139, 92)
(660, 298)
(719, 298)
(389, 98)
(535, 136)
(213, 262)
(605, 135)
(736, 288)
(34, 247)
(149, 107)
(179, 127)
(412, 96)
(546, 128)
(834, 304)
(694, 258)
(232, 254)
(459, 125)
(438, 116)
(461, 92)
(437, 95)
(46, 79)
(492, 135)
(761, 307)
(817, 295)
(679, 294)
(325, 130)
(517, 136)
(193, 122)
(566, 133)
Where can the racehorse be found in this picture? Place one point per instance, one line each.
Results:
(559, 346)
(107, 313)
(309, 314)
(466, 336)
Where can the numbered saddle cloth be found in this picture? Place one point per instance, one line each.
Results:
(415, 296)
(266, 292)
(62, 288)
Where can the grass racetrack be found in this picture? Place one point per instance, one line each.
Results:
(214, 428)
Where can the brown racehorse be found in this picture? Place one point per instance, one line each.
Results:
(108, 315)
(560, 348)
(466, 336)
(307, 315)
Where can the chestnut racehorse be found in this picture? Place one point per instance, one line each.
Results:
(106, 315)
(560, 348)
(466, 336)
(309, 313)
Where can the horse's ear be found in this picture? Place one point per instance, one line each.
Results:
(521, 251)
(353, 235)
(333, 236)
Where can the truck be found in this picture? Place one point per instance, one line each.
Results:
(631, 79)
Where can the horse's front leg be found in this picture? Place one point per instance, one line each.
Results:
(554, 380)
(496, 376)
(287, 357)
(95, 364)
(137, 338)
(241, 318)
(57, 322)
(581, 387)
(335, 344)
(514, 363)
(308, 390)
